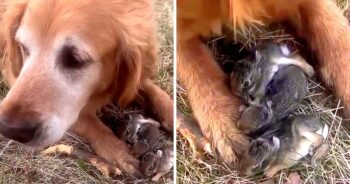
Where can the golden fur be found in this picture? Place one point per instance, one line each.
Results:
(320, 22)
(117, 42)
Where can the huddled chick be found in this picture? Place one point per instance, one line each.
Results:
(284, 144)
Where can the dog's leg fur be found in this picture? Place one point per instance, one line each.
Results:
(103, 166)
(215, 108)
(190, 131)
(159, 102)
(105, 143)
(328, 34)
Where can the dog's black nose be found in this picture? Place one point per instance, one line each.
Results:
(21, 132)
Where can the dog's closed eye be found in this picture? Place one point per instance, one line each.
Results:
(24, 50)
(72, 58)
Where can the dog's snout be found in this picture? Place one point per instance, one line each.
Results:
(21, 132)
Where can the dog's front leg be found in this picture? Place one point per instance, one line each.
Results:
(158, 102)
(328, 34)
(191, 132)
(105, 143)
(213, 105)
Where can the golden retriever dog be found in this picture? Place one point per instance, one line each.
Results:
(319, 22)
(65, 59)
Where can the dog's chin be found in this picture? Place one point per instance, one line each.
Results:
(50, 135)
(34, 146)
(41, 142)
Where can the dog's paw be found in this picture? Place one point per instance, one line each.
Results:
(117, 153)
(230, 145)
(227, 142)
(127, 163)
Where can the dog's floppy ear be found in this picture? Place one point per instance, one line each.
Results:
(129, 73)
(12, 15)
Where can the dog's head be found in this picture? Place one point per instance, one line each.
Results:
(58, 55)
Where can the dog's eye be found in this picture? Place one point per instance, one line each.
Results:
(71, 58)
(24, 50)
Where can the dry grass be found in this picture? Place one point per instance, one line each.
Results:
(320, 102)
(19, 165)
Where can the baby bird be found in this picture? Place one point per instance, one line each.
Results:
(158, 164)
(284, 144)
(143, 133)
(283, 94)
